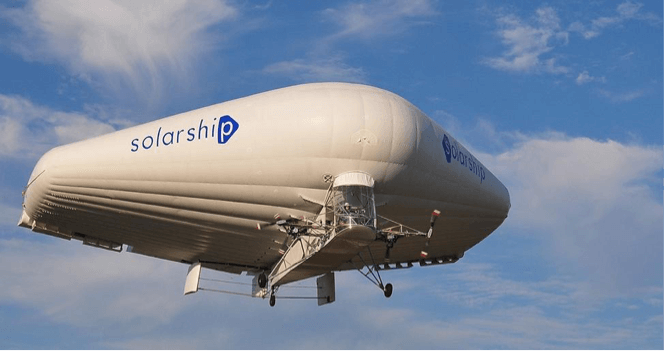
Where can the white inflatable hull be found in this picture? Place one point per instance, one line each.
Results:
(192, 187)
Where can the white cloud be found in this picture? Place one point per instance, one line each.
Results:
(9, 215)
(594, 205)
(119, 44)
(28, 130)
(377, 18)
(584, 77)
(623, 96)
(528, 42)
(450, 122)
(477, 307)
(138, 302)
(625, 11)
(530, 327)
(204, 339)
(480, 285)
(329, 69)
(532, 46)
(627, 56)
(73, 284)
(498, 312)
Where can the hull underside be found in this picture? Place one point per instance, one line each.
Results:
(185, 220)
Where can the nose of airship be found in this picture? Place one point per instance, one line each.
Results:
(497, 196)
(505, 197)
(36, 189)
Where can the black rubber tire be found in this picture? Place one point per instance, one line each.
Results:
(273, 300)
(262, 280)
(388, 290)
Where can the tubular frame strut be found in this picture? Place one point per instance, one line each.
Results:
(371, 270)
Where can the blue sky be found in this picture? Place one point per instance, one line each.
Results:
(561, 100)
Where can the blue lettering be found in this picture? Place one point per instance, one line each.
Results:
(200, 128)
(447, 148)
(158, 132)
(227, 127)
(170, 141)
(224, 127)
(134, 143)
(454, 151)
(213, 128)
(151, 142)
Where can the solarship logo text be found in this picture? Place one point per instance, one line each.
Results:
(221, 129)
(454, 152)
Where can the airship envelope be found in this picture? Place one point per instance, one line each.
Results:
(284, 185)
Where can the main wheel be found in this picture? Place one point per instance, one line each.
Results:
(388, 290)
(262, 280)
(273, 300)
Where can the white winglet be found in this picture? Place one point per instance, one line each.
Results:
(191, 284)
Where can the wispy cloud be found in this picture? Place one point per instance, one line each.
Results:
(624, 12)
(534, 45)
(527, 43)
(141, 299)
(27, 130)
(318, 70)
(481, 285)
(372, 20)
(501, 312)
(378, 18)
(622, 96)
(63, 284)
(119, 45)
(9, 213)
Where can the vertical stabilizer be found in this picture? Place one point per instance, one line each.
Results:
(193, 277)
(326, 291)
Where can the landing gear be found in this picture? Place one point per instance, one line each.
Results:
(262, 280)
(373, 274)
(273, 300)
(388, 290)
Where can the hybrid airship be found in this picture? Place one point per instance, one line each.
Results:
(285, 185)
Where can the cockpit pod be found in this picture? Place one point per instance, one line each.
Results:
(354, 207)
